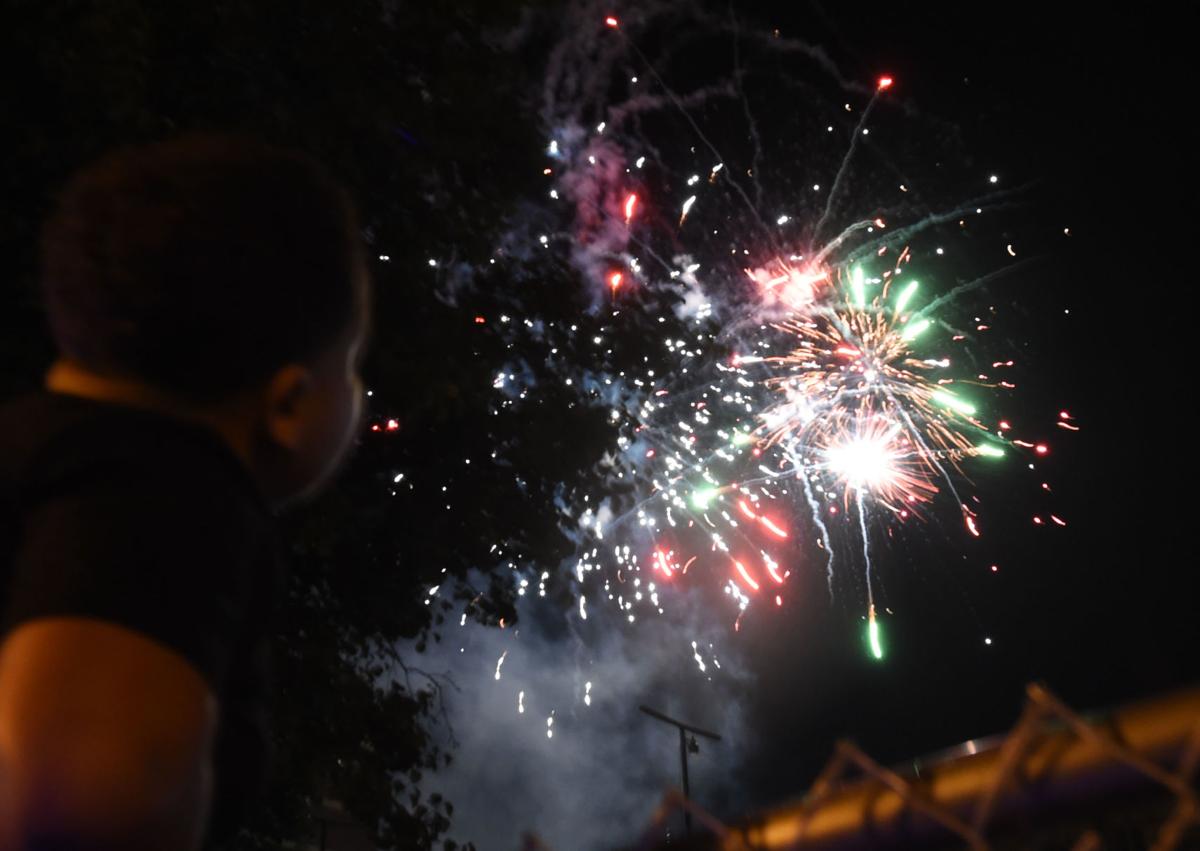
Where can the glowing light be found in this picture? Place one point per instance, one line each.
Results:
(863, 462)
(905, 295)
(954, 403)
(873, 636)
(630, 206)
(775, 530)
(914, 329)
(687, 205)
(885, 83)
(741, 568)
(614, 280)
(989, 450)
(772, 568)
(611, 21)
(702, 497)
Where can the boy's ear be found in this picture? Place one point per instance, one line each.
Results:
(286, 401)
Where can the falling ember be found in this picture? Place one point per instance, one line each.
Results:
(1041, 449)
(630, 206)
(521, 702)
(773, 569)
(687, 205)
(970, 520)
(746, 575)
(906, 296)
(885, 83)
(954, 403)
(611, 21)
(775, 530)
(873, 636)
(614, 280)
(500, 662)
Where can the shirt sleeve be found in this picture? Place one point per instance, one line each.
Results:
(152, 553)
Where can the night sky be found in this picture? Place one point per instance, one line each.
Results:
(1064, 108)
(462, 131)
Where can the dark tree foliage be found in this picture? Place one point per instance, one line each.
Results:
(432, 127)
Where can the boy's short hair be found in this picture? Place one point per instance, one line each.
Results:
(201, 265)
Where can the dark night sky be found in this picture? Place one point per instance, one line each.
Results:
(1069, 107)
(1097, 610)
(1083, 108)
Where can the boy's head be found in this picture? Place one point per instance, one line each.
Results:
(222, 279)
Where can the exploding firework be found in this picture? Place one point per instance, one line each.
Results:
(806, 392)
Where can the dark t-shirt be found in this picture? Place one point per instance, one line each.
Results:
(147, 522)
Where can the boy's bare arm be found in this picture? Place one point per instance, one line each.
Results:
(106, 740)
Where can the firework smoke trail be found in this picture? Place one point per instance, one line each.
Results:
(678, 104)
(819, 522)
(884, 84)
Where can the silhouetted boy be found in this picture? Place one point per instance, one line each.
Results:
(209, 301)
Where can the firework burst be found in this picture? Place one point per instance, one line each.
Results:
(808, 392)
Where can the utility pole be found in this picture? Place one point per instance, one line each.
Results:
(685, 746)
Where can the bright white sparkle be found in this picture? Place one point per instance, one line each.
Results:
(864, 462)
